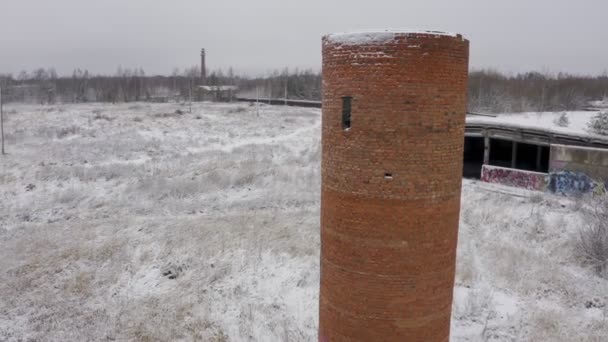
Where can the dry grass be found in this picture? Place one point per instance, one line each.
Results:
(125, 235)
(476, 304)
(208, 229)
(593, 238)
(67, 131)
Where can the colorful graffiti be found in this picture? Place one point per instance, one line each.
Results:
(513, 177)
(568, 182)
(578, 170)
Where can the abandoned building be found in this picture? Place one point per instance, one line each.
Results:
(393, 119)
(533, 151)
(527, 150)
(213, 92)
(217, 93)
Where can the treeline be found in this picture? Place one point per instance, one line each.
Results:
(492, 91)
(489, 91)
(293, 84)
(127, 85)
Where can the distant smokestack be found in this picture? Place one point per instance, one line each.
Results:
(203, 70)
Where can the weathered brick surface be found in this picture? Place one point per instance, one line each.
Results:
(388, 245)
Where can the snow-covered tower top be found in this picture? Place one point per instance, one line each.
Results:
(376, 37)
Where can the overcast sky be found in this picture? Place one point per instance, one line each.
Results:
(254, 36)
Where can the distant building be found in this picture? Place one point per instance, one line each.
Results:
(534, 151)
(223, 93)
(205, 92)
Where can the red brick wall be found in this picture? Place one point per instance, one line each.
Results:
(388, 245)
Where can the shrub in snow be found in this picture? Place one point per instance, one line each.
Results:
(537, 197)
(99, 116)
(599, 123)
(562, 120)
(66, 131)
(237, 110)
(593, 239)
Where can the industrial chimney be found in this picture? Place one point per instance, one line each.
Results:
(394, 107)
(203, 70)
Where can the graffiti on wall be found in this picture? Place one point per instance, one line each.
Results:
(513, 177)
(568, 182)
(578, 170)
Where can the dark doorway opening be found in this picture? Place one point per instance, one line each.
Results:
(526, 157)
(532, 157)
(545, 151)
(473, 157)
(501, 152)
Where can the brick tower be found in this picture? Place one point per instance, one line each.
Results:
(394, 106)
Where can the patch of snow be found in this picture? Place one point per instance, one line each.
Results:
(229, 201)
(544, 121)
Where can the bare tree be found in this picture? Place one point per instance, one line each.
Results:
(2, 122)
(191, 74)
(80, 79)
(593, 239)
(489, 90)
(599, 123)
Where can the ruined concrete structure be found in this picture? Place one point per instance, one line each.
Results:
(568, 169)
(572, 170)
(394, 108)
(576, 169)
(213, 91)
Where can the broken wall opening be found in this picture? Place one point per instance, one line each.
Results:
(518, 155)
(501, 152)
(531, 157)
(473, 157)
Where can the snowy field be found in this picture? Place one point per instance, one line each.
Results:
(136, 222)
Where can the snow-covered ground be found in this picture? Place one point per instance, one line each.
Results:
(134, 222)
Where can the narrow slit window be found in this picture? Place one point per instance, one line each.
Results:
(346, 112)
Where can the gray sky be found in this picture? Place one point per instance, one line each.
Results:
(254, 36)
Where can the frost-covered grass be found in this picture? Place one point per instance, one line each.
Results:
(519, 257)
(136, 222)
